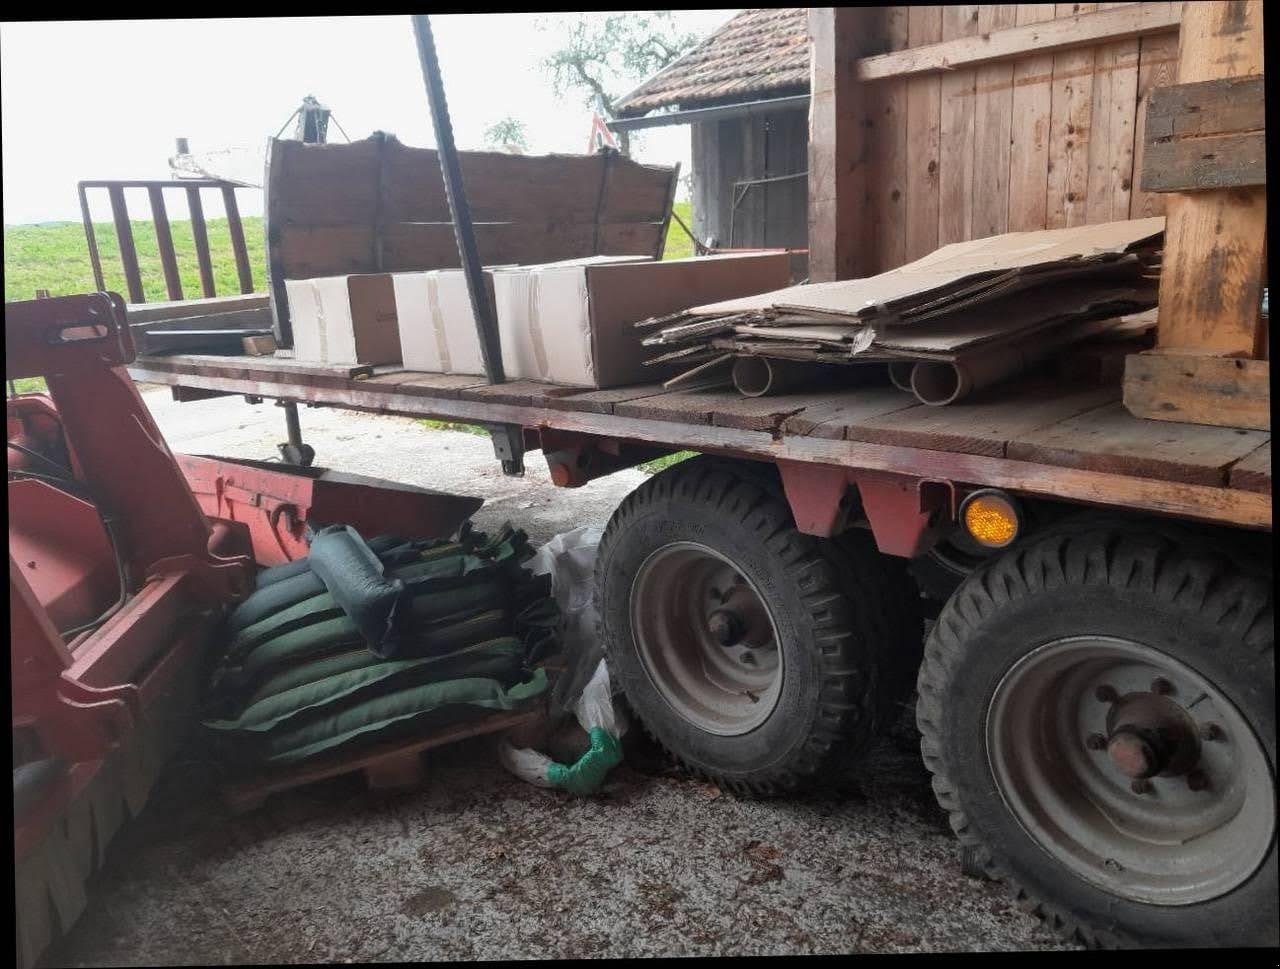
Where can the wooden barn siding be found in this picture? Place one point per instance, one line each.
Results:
(724, 152)
(1032, 142)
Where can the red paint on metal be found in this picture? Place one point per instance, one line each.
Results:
(892, 504)
(818, 495)
(277, 503)
(140, 664)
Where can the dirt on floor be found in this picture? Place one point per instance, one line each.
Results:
(479, 865)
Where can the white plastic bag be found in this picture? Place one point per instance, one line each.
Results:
(570, 559)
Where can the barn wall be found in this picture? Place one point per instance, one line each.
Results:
(737, 149)
(1035, 141)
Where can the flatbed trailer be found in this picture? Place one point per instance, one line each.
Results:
(1038, 437)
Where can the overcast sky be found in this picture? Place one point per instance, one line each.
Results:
(106, 99)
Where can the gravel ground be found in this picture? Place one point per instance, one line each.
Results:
(478, 865)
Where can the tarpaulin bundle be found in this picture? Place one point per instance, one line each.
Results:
(375, 637)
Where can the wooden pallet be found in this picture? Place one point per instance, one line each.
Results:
(390, 766)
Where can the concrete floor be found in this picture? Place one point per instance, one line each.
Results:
(478, 865)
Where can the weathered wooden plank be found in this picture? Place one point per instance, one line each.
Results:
(1216, 162)
(304, 252)
(1253, 473)
(1199, 389)
(759, 413)
(955, 133)
(683, 406)
(603, 401)
(1032, 109)
(827, 415)
(1082, 28)
(924, 120)
(889, 143)
(993, 127)
(428, 384)
(1157, 67)
(1206, 135)
(985, 423)
(521, 393)
(1115, 100)
(1070, 131)
(1111, 440)
(410, 246)
(1215, 242)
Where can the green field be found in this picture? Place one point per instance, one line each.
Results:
(56, 257)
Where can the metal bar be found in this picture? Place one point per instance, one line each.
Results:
(124, 238)
(236, 228)
(459, 210)
(201, 235)
(720, 113)
(164, 240)
(148, 182)
(94, 259)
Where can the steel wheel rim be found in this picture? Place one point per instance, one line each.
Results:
(1198, 818)
(726, 690)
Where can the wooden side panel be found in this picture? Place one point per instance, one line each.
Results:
(1206, 135)
(1115, 98)
(1070, 132)
(1157, 67)
(993, 126)
(924, 118)
(956, 156)
(1029, 151)
(378, 205)
(889, 143)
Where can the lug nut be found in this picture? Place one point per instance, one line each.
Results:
(1106, 694)
(1141, 785)
(1095, 741)
(1161, 686)
(1211, 731)
(1197, 780)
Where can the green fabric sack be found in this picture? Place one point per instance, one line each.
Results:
(369, 720)
(499, 659)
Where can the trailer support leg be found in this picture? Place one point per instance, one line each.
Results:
(294, 451)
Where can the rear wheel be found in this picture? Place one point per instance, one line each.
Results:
(1098, 711)
(747, 649)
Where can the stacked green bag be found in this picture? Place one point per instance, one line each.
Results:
(300, 679)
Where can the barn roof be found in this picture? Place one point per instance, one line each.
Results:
(759, 53)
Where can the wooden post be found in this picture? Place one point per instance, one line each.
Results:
(1209, 363)
(839, 247)
(1215, 241)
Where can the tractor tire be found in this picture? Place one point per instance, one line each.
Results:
(1097, 708)
(707, 542)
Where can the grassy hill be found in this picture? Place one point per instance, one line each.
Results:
(55, 256)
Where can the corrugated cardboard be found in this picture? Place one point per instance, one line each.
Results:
(573, 322)
(344, 320)
(437, 328)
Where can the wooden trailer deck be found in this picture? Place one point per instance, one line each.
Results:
(1040, 435)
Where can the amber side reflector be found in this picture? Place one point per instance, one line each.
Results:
(991, 518)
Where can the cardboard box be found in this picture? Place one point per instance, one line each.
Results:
(437, 328)
(573, 322)
(344, 320)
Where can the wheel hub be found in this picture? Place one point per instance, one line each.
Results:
(1150, 735)
(1131, 769)
(706, 638)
